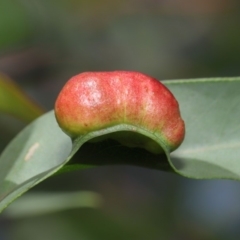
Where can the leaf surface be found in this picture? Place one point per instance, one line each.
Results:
(211, 111)
(211, 149)
(34, 154)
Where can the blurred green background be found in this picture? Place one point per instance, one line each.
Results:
(44, 43)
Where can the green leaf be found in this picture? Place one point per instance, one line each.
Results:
(40, 203)
(211, 149)
(211, 111)
(14, 102)
(33, 155)
(41, 149)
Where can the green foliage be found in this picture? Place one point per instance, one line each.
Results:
(48, 202)
(14, 102)
(211, 111)
(34, 154)
(210, 108)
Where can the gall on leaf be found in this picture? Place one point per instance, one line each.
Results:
(136, 108)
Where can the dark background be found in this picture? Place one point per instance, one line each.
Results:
(44, 43)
